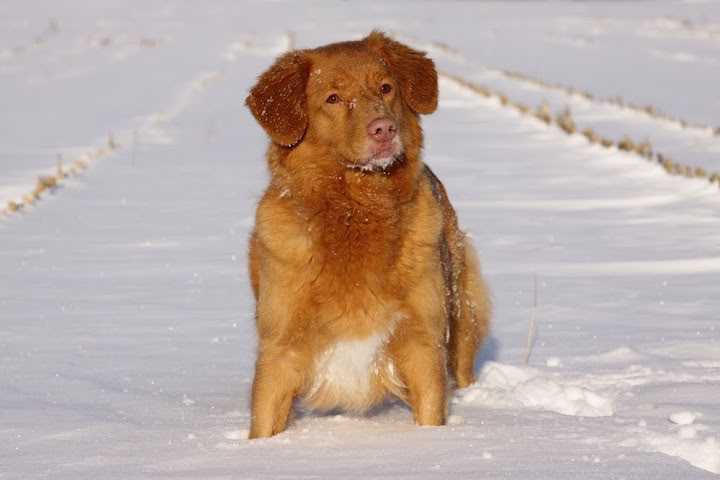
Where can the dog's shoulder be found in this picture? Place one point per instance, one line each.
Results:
(279, 228)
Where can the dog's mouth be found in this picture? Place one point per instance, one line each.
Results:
(382, 164)
(381, 157)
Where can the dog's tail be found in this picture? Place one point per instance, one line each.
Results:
(468, 303)
(469, 323)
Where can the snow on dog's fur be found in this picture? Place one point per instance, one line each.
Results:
(364, 284)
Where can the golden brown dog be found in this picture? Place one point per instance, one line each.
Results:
(364, 284)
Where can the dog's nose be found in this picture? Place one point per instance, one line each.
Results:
(382, 130)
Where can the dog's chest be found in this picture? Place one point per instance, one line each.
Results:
(346, 232)
(349, 365)
(349, 373)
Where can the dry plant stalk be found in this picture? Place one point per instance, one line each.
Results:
(51, 182)
(532, 329)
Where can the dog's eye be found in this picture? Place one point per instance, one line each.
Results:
(333, 98)
(385, 88)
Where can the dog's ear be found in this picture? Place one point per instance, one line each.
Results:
(411, 68)
(278, 100)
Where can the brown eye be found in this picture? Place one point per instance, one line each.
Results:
(385, 88)
(333, 98)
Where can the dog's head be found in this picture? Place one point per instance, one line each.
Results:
(358, 100)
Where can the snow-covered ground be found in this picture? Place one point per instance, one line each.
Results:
(126, 321)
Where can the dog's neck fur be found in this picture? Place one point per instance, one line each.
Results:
(355, 215)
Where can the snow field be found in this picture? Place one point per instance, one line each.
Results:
(126, 331)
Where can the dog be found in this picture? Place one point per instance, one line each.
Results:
(365, 287)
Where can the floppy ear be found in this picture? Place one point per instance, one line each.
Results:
(411, 68)
(278, 101)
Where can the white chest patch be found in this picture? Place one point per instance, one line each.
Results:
(346, 372)
(348, 365)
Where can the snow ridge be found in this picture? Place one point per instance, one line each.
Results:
(508, 386)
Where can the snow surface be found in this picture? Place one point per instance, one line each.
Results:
(126, 319)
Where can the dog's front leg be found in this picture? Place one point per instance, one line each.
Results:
(421, 364)
(277, 379)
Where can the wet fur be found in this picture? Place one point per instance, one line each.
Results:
(351, 268)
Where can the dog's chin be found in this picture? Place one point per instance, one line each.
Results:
(380, 163)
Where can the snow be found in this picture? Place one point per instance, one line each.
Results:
(683, 417)
(127, 336)
(507, 386)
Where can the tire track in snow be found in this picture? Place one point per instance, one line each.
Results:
(621, 105)
(693, 133)
(565, 122)
(153, 128)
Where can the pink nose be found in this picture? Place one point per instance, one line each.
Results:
(382, 130)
